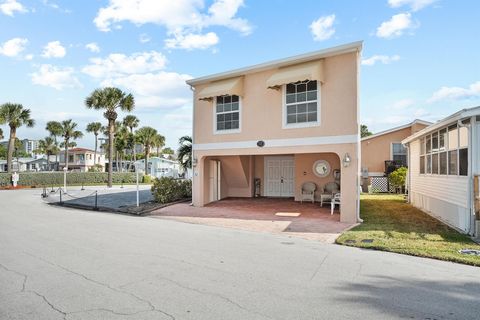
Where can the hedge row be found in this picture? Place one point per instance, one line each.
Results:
(38, 179)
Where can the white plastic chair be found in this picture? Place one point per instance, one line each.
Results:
(328, 191)
(335, 200)
(308, 191)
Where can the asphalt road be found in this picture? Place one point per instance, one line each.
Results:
(60, 263)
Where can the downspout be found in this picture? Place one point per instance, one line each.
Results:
(470, 173)
(409, 176)
(359, 143)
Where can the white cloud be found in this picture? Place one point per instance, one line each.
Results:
(143, 74)
(456, 93)
(415, 5)
(54, 49)
(380, 58)
(29, 57)
(13, 47)
(119, 64)
(9, 7)
(93, 47)
(396, 26)
(192, 41)
(322, 28)
(402, 104)
(149, 84)
(144, 38)
(181, 18)
(55, 77)
(223, 12)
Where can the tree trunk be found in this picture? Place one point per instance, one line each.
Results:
(66, 154)
(95, 151)
(11, 147)
(147, 153)
(56, 154)
(111, 128)
(48, 161)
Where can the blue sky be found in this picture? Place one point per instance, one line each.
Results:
(420, 57)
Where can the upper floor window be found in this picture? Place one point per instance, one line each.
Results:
(227, 114)
(301, 103)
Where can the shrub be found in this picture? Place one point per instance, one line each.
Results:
(398, 177)
(39, 179)
(168, 189)
(147, 179)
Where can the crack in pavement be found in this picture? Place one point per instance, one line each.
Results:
(17, 273)
(24, 284)
(49, 303)
(149, 303)
(215, 295)
(319, 267)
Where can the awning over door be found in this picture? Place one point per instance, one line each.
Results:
(300, 72)
(232, 86)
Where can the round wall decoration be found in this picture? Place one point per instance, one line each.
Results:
(321, 168)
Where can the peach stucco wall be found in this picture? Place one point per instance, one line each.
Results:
(378, 149)
(261, 108)
(304, 171)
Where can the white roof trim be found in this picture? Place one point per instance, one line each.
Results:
(381, 133)
(462, 114)
(345, 48)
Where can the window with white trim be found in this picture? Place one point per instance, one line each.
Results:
(399, 154)
(227, 113)
(445, 152)
(301, 102)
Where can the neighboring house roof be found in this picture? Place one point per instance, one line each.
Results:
(381, 133)
(157, 159)
(80, 150)
(24, 160)
(315, 55)
(459, 115)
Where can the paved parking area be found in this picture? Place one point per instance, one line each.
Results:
(278, 216)
(69, 264)
(113, 198)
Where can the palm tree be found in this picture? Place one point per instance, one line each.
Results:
(95, 128)
(131, 122)
(121, 143)
(146, 136)
(15, 116)
(1, 133)
(185, 152)
(69, 133)
(48, 147)
(110, 100)
(159, 143)
(55, 130)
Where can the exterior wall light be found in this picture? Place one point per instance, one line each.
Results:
(346, 160)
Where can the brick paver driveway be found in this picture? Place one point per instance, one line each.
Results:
(279, 216)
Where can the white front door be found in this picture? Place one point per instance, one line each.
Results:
(279, 176)
(215, 180)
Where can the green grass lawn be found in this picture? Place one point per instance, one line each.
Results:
(397, 226)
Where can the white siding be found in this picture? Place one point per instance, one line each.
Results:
(445, 197)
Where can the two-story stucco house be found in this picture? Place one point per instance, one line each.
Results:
(82, 159)
(266, 129)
